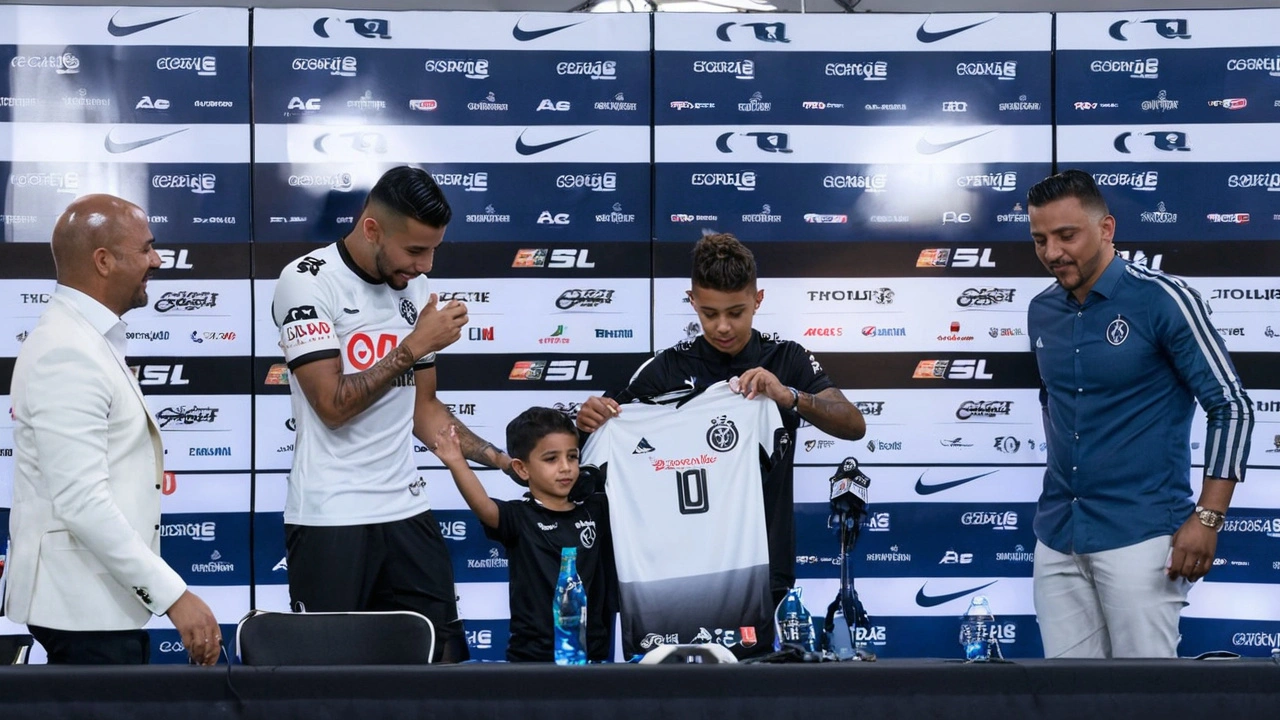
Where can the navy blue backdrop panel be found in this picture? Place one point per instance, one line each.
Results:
(148, 104)
(537, 124)
(1177, 110)
(905, 127)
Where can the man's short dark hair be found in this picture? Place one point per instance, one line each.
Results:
(722, 263)
(530, 426)
(1068, 183)
(412, 193)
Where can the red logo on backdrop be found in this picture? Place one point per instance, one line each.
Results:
(955, 327)
(747, 635)
(363, 351)
(169, 485)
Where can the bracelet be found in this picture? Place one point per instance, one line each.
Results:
(795, 399)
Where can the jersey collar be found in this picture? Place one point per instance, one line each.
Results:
(350, 262)
(749, 353)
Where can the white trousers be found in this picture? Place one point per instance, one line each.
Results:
(1111, 604)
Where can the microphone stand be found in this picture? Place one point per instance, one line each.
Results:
(847, 512)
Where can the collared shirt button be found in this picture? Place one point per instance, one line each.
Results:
(157, 526)
(1077, 436)
(1073, 469)
(1077, 350)
(1080, 314)
(1079, 390)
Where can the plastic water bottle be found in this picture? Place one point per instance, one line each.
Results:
(978, 632)
(792, 623)
(569, 612)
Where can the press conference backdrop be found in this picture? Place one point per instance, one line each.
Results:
(876, 164)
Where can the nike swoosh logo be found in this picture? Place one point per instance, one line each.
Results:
(349, 311)
(526, 35)
(925, 36)
(924, 147)
(126, 30)
(922, 489)
(123, 147)
(524, 149)
(934, 600)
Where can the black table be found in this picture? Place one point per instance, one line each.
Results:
(915, 689)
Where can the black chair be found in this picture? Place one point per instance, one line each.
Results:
(323, 638)
(14, 649)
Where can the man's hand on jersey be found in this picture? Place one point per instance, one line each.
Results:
(447, 447)
(758, 381)
(595, 411)
(437, 327)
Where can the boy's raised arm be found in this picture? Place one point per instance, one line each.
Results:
(447, 448)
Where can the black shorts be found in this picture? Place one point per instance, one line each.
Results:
(400, 565)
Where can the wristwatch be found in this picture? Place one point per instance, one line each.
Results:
(1210, 518)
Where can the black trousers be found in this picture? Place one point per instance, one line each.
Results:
(96, 647)
(400, 565)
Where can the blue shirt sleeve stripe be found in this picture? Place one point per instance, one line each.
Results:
(1230, 414)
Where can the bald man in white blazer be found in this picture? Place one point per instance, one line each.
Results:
(84, 570)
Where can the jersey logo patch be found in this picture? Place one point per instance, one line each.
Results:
(723, 435)
(408, 311)
(1118, 331)
(642, 447)
(311, 265)
(301, 313)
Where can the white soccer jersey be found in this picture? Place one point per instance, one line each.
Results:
(364, 471)
(687, 511)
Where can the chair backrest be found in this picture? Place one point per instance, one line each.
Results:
(709, 653)
(14, 649)
(323, 638)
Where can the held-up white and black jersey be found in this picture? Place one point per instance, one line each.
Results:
(363, 472)
(694, 365)
(690, 546)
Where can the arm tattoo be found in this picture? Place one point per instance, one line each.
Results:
(831, 415)
(476, 448)
(355, 393)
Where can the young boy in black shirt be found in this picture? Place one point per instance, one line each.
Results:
(543, 444)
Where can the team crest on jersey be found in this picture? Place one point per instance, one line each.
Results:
(723, 435)
(408, 311)
(1118, 331)
(587, 535)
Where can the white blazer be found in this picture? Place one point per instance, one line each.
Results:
(84, 528)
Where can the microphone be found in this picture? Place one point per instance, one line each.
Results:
(849, 488)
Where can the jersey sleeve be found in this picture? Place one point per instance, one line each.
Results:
(303, 311)
(809, 375)
(771, 432)
(422, 296)
(508, 530)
